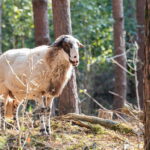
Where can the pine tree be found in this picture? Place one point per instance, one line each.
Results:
(68, 100)
(119, 46)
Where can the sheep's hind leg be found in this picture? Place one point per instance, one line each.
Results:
(2, 115)
(16, 106)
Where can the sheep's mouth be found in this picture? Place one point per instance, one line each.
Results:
(74, 63)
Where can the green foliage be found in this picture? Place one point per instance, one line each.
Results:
(92, 24)
(17, 26)
(130, 18)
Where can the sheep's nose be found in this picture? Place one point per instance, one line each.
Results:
(75, 63)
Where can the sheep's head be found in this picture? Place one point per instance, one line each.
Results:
(71, 46)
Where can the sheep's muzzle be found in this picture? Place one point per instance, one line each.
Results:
(74, 63)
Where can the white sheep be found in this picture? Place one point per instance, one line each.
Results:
(39, 72)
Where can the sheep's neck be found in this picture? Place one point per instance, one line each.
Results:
(60, 69)
(55, 56)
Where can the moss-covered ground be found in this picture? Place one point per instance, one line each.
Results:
(67, 135)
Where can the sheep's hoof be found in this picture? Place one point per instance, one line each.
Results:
(48, 130)
(44, 132)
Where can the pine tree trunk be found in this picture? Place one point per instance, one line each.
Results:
(119, 45)
(147, 77)
(61, 17)
(68, 100)
(140, 41)
(41, 26)
(0, 26)
(40, 11)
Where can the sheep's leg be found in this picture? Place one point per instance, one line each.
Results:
(42, 117)
(49, 104)
(2, 115)
(16, 106)
(3, 112)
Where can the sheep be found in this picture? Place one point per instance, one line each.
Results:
(39, 73)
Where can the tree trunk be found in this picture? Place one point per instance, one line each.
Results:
(41, 26)
(119, 45)
(61, 17)
(0, 27)
(68, 100)
(40, 11)
(140, 41)
(147, 77)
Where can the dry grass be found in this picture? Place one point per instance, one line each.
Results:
(68, 136)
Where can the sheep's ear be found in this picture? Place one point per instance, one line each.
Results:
(59, 41)
(81, 45)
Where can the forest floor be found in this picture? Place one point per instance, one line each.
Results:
(67, 135)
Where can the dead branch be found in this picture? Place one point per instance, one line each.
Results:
(81, 124)
(113, 125)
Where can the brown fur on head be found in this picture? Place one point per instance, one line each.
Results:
(70, 45)
(62, 42)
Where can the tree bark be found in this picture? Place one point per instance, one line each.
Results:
(0, 27)
(40, 11)
(61, 17)
(68, 100)
(147, 77)
(140, 41)
(119, 45)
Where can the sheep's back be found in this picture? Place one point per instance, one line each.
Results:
(17, 66)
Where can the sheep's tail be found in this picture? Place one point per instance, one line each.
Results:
(10, 107)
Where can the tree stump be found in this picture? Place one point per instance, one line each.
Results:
(105, 114)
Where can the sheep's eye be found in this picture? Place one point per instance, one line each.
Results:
(75, 56)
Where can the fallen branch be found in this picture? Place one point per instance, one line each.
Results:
(95, 128)
(82, 124)
(113, 125)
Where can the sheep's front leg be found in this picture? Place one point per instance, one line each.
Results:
(49, 104)
(42, 116)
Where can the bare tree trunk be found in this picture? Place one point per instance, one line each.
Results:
(147, 77)
(40, 11)
(68, 100)
(140, 40)
(61, 17)
(41, 26)
(0, 26)
(119, 45)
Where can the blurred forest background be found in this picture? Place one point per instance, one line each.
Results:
(110, 74)
(92, 24)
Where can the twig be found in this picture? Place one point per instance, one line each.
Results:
(103, 106)
(17, 115)
(122, 67)
(25, 140)
(14, 72)
(136, 77)
(10, 124)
